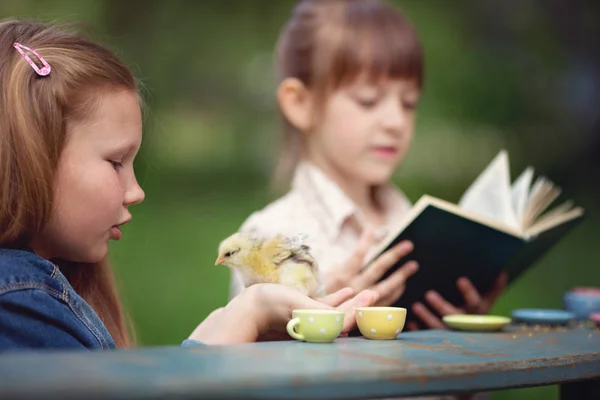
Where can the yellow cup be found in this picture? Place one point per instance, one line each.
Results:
(318, 326)
(382, 323)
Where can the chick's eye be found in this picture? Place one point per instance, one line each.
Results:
(232, 252)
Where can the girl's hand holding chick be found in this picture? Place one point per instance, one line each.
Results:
(351, 273)
(262, 311)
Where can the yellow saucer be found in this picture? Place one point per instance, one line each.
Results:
(471, 322)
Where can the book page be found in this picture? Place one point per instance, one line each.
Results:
(543, 193)
(554, 219)
(520, 194)
(554, 213)
(490, 194)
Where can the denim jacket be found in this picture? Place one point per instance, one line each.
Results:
(39, 309)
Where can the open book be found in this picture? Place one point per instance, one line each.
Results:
(496, 226)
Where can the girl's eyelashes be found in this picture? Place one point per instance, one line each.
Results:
(409, 105)
(369, 103)
(369, 97)
(365, 96)
(116, 164)
(366, 102)
(409, 101)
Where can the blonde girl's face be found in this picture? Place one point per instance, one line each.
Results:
(365, 130)
(95, 182)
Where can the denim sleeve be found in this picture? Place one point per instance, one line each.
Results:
(34, 319)
(192, 343)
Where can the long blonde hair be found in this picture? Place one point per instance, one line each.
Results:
(328, 43)
(34, 111)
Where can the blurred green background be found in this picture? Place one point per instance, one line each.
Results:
(517, 75)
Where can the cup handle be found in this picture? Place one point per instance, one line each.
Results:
(291, 329)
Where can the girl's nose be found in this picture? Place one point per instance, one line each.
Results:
(135, 194)
(394, 117)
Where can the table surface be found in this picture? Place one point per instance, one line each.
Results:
(417, 363)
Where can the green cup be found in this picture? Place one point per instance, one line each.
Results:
(317, 326)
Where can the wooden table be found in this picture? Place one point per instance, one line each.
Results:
(417, 363)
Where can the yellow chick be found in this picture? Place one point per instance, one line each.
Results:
(281, 259)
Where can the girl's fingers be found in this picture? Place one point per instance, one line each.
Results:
(396, 282)
(439, 304)
(384, 262)
(336, 298)
(427, 316)
(470, 294)
(366, 298)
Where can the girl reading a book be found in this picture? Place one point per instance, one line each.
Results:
(350, 76)
(70, 128)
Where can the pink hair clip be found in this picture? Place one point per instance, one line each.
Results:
(40, 71)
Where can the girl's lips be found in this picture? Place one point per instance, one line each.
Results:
(385, 151)
(116, 233)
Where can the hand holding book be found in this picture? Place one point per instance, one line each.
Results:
(475, 303)
(351, 274)
(495, 227)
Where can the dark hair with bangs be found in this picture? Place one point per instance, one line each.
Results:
(327, 44)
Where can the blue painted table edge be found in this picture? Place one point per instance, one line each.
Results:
(416, 364)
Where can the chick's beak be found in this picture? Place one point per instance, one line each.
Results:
(219, 261)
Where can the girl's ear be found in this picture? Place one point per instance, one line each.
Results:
(296, 103)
